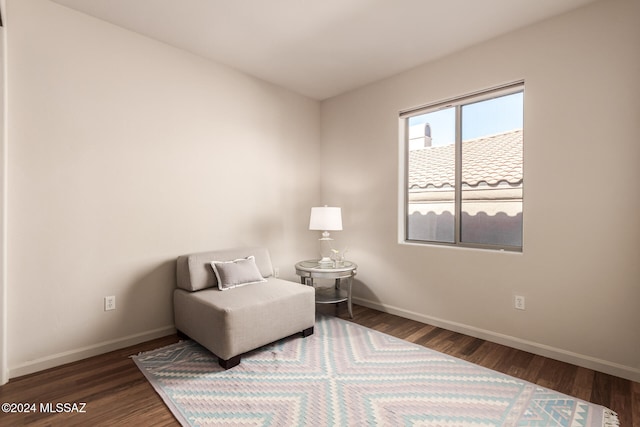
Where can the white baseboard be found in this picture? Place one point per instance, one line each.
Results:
(85, 352)
(589, 362)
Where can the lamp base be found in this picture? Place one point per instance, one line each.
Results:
(325, 250)
(325, 262)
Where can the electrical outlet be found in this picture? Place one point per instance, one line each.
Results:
(519, 302)
(276, 272)
(109, 303)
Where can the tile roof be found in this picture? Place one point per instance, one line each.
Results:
(492, 160)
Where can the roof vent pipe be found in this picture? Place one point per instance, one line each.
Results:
(427, 135)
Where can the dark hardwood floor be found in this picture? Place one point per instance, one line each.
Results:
(116, 393)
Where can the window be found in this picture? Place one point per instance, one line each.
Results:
(463, 171)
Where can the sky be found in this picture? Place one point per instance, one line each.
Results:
(479, 119)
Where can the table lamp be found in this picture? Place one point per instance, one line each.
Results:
(325, 219)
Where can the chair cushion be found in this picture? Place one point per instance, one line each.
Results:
(233, 322)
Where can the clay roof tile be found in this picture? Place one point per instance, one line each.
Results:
(492, 160)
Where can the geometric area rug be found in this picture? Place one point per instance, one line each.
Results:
(349, 375)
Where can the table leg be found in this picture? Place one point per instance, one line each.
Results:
(349, 280)
(337, 286)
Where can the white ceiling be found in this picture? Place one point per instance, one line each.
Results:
(321, 48)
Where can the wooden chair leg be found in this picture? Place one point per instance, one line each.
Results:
(229, 363)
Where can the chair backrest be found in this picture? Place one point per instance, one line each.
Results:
(194, 271)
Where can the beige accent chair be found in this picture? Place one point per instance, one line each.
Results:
(242, 318)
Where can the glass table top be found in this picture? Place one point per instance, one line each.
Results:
(314, 264)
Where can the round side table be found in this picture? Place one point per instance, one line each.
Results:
(312, 269)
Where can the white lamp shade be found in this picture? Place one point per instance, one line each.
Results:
(325, 219)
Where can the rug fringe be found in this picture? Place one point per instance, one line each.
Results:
(133, 356)
(610, 419)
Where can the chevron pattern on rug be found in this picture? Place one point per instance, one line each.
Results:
(349, 375)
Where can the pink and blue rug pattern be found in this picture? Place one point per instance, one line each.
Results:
(348, 375)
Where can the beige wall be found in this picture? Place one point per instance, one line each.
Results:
(123, 154)
(580, 269)
(4, 369)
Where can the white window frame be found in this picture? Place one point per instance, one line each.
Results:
(403, 156)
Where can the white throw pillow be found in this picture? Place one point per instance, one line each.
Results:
(239, 272)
